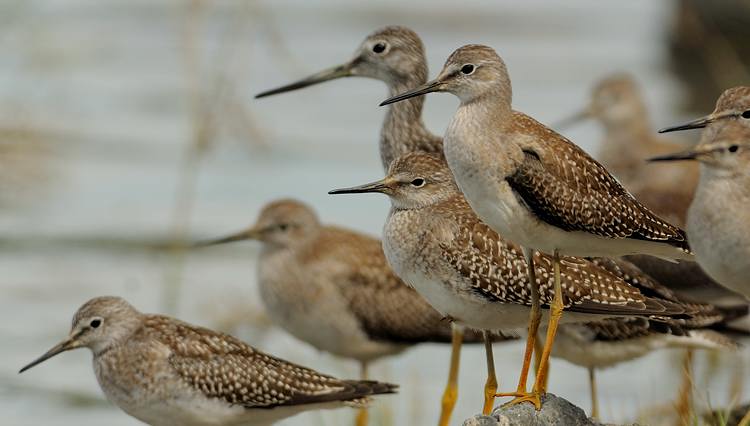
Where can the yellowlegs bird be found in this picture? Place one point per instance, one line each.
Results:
(396, 56)
(718, 217)
(332, 288)
(436, 243)
(163, 371)
(535, 187)
(629, 139)
(616, 102)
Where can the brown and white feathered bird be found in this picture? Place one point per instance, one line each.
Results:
(163, 371)
(333, 288)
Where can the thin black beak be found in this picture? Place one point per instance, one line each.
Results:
(65, 345)
(339, 71)
(695, 124)
(250, 234)
(573, 119)
(678, 156)
(429, 87)
(379, 186)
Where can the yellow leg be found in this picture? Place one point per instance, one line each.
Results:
(362, 416)
(684, 398)
(540, 384)
(490, 387)
(521, 394)
(538, 347)
(594, 395)
(450, 395)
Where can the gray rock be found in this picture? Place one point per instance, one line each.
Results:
(480, 420)
(555, 412)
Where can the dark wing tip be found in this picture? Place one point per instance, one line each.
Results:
(363, 388)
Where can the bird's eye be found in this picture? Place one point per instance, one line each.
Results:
(746, 114)
(467, 69)
(418, 182)
(378, 47)
(733, 148)
(95, 323)
(283, 227)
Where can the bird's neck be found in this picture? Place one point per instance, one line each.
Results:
(719, 191)
(477, 126)
(403, 129)
(628, 141)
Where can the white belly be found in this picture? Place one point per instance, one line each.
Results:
(466, 308)
(572, 345)
(190, 412)
(313, 310)
(209, 412)
(328, 325)
(154, 394)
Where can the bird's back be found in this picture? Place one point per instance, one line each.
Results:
(171, 372)
(568, 189)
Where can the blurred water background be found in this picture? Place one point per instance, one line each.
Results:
(130, 123)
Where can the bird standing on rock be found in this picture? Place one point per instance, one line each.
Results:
(536, 188)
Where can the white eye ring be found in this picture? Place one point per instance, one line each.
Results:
(418, 182)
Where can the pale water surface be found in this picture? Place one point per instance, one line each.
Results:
(111, 85)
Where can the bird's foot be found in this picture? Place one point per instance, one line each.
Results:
(519, 397)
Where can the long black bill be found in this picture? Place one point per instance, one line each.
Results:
(573, 119)
(429, 87)
(678, 156)
(695, 124)
(344, 70)
(249, 234)
(379, 186)
(65, 345)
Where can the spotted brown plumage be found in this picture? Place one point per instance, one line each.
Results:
(333, 288)
(535, 187)
(701, 314)
(568, 189)
(618, 105)
(221, 366)
(163, 371)
(497, 271)
(396, 56)
(435, 242)
(386, 309)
